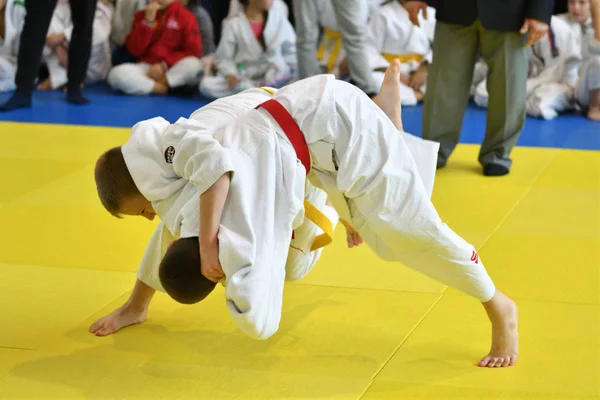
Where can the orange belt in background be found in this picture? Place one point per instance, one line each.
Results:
(287, 124)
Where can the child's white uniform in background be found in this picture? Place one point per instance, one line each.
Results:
(554, 61)
(14, 19)
(240, 53)
(100, 63)
(236, 8)
(331, 52)
(589, 72)
(391, 35)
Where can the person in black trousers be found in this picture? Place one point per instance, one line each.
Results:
(33, 38)
(501, 30)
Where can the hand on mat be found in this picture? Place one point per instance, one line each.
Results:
(232, 81)
(352, 236)
(151, 10)
(120, 318)
(54, 40)
(418, 78)
(210, 264)
(413, 8)
(537, 30)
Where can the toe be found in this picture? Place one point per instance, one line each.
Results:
(506, 362)
(513, 360)
(499, 362)
(492, 362)
(484, 361)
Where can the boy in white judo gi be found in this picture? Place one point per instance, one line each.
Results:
(363, 160)
(553, 64)
(584, 20)
(56, 53)
(257, 48)
(12, 18)
(391, 35)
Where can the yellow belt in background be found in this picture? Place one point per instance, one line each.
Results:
(330, 36)
(404, 58)
(313, 214)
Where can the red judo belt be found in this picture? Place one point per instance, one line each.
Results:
(290, 128)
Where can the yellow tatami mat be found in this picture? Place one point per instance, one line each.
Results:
(355, 328)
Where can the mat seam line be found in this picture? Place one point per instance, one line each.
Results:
(401, 343)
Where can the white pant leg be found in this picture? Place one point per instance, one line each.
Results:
(131, 78)
(185, 72)
(153, 255)
(379, 176)
(589, 79)
(481, 95)
(58, 74)
(100, 63)
(7, 75)
(549, 99)
(215, 87)
(407, 94)
(479, 74)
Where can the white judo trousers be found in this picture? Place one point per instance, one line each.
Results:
(100, 63)
(554, 61)
(362, 161)
(14, 19)
(391, 34)
(132, 78)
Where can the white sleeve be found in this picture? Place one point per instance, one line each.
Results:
(226, 50)
(288, 46)
(196, 155)
(155, 250)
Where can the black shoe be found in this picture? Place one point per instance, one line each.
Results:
(16, 101)
(492, 169)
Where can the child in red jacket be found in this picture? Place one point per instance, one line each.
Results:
(165, 40)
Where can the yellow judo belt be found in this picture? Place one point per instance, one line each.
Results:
(404, 58)
(313, 214)
(336, 38)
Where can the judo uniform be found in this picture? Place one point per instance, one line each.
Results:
(241, 54)
(391, 35)
(589, 72)
(300, 259)
(254, 238)
(99, 65)
(553, 64)
(14, 19)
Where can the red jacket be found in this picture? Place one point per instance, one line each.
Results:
(173, 36)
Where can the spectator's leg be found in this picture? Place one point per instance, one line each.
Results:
(506, 56)
(347, 14)
(306, 13)
(131, 79)
(80, 47)
(448, 85)
(33, 37)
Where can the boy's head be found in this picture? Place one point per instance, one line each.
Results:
(180, 273)
(116, 188)
(261, 5)
(2, 4)
(579, 10)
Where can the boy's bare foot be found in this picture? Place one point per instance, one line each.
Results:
(45, 85)
(503, 315)
(120, 318)
(388, 98)
(594, 113)
(352, 236)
